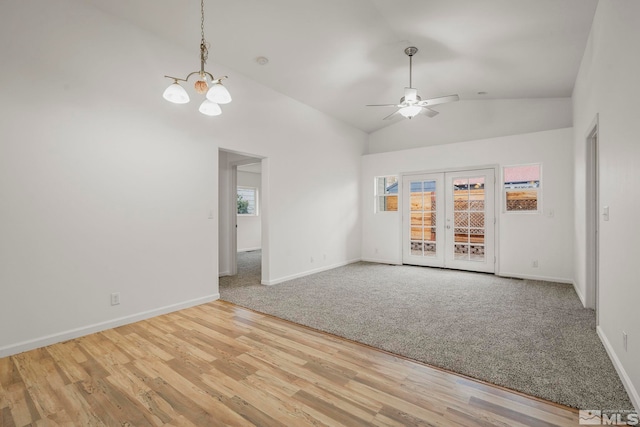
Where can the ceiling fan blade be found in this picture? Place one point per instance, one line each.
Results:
(440, 100)
(429, 112)
(392, 115)
(382, 105)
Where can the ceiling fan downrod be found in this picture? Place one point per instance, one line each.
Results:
(410, 51)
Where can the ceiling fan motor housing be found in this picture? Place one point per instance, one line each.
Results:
(418, 99)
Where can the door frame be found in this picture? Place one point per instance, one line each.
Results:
(592, 196)
(497, 203)
(489, 264)
(229, 204)
(439, 260)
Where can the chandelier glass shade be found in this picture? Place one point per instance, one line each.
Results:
(176, 94)
(206, 83)
(210, 108)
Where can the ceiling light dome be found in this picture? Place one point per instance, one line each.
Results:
(209, 108)
(410, 111)
(176, 94)
(219, 94)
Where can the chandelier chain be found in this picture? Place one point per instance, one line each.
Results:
(204, 46)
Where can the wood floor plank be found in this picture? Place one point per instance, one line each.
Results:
(39, 399)
(208, 403)
(220, 364)
(271, 401)
(6, 419)
(23, 409)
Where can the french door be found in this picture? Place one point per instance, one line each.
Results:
(448, 220)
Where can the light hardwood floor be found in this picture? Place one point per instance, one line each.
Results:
(220, 364)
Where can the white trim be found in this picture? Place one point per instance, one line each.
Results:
(580, 294)
(309, 272)
(20, 347)
(250, 249)
(626, 381)
(532, 277)
(592, 214)
(233, 221)
(224, 273)
(382, 261)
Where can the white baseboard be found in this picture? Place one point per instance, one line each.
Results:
(224, 273)
(626, 381)
(532, 277)
(382, 261)
(20, 347)
(310, 272)
(249, 249)
(580, 294)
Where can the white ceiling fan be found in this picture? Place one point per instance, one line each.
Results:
(411, 104)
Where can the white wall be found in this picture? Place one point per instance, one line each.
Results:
(108, 188)
(468, 120)
(607, 85)
(523, 237)
(249, 228)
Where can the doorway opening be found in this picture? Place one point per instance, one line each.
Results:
(593, 219)
(242, 209)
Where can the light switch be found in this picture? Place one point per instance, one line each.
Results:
(605, 213)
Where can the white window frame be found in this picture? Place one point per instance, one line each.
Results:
(537, 189)
(255, 194)
(377, 197)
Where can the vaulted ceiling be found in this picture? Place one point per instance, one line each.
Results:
(339, 55)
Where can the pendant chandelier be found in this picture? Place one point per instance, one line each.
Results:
(216, 93)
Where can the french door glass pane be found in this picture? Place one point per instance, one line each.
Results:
(423, 218)
(469, 219)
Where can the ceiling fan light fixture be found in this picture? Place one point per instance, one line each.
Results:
(411, 104)
(176, 94)
(410, 111)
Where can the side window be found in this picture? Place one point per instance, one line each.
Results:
(522, 188)
(247, 201)
(386, 193)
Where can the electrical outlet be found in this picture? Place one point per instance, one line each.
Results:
(624, 340)
(312, 259)
(324, 257)
(115, 298)
(534, 263)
